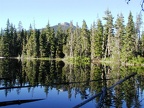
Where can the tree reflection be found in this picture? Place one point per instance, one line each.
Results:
(84, 80)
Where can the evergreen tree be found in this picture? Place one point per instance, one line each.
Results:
(47, 42)
(85, 40)
(128, 49)
(48, 39)
(12, 42)
(92, 34)
(108, 34)
(99, 39)
(32, 44)
(96, 40)
(1, 42)
(14, 50)
(37, 53)
(20, 36)
(119, 37)
(6, 41)
(52, 44)
(137, 28)
(69, 47)
(142, 44)
(42, 44)
(60, 40)
(77, 42)
(24, 50)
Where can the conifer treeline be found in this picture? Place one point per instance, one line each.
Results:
(111, 39)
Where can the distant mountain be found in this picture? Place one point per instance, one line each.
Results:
(64, 26)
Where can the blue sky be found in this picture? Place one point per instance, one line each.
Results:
(58, 11)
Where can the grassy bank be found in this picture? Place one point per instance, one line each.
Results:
(135, 61)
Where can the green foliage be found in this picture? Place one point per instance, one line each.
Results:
(117, 42)
(85, 40)
(97, 40)
(137, 61)
(108, 35)
(78, 60)
(118, 38)
(128, 49)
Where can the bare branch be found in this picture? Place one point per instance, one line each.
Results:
(141, 4)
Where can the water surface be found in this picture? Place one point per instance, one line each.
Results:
(54, 84)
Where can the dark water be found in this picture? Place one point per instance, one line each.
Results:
(54, 84)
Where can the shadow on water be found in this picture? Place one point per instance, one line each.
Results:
(80, 82)
(13, 102)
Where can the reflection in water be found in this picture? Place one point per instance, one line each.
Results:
(6, 103)
(79, 82)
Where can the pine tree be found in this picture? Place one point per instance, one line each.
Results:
(20, 36)
(137, 28)
(69, 47)
(24, 50)
(1, 42)
(14, 42)
(108, 34)
(32, 44)
(97, 40)
(60, 40)
(142, 44)
(128, 49)
(85, 36)
(77, 42)
(119, 37)
(52, 44)
(6, 41)
(37, 35)
(48, 39)
(92, 34)
(42, 43)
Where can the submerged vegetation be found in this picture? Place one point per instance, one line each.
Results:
(105, 40)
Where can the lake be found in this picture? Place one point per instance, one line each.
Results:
(55, 84)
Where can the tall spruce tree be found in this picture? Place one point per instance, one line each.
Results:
(52, 44)
(42, 44)
(32, 44)
(85, 36)
(71, 43)
(92, 34)
(20, 36)
(97, 40)
(138, 25)
(48, 39)
(69, 47)
(24, 43)
(142, 44)
(78, 41)
(12, 41)
(60, 40)
(119, 37)
(15, 51)
(6, 41)
(37, 35)
(128, 49)
(1, 42)
(108, 34)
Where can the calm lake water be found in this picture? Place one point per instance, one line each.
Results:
(55, 84)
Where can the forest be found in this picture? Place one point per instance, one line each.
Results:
(105, 40)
